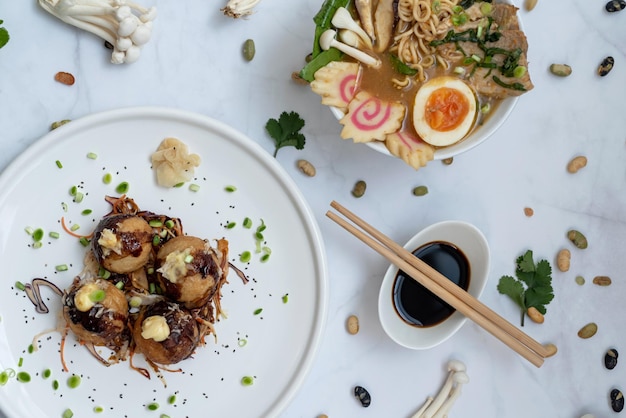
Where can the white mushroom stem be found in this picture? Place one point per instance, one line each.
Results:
(454, 367)
(118, 22)
(239, 8)
(460, 378)
(420, 411)
(327, 41)
(350, 38)
(342, 19)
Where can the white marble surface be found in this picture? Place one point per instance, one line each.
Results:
(194, 63)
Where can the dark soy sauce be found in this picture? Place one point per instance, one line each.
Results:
(415, 304)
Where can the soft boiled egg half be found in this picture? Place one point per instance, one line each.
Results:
(444, 111)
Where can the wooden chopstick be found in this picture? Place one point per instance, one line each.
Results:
(443, 288)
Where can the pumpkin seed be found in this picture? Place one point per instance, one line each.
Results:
(363, 396)
(606, 66)
(588, 330)
(615, 6)
(561, 70)
(602, 280)
(577, 238)
(249, 50)
(447, 161)
(359, 189)
(580, 280)
(610, 358)
(420, 191)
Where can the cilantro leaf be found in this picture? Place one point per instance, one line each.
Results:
(286, 131)
(4, 36)
(532, 286)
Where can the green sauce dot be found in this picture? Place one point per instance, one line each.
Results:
(73, 381)
(23, 377)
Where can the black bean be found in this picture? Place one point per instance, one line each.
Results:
(606, 66)
(364, 396)
(610, 358)
(615, 6)
(617, 400)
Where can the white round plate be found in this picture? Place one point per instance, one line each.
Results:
(473, 245)
(281, 341)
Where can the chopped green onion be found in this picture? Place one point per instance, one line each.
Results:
(75, 227)
(169, 223)
(4, 378)
(247, 380)
(153, 406)
(54, 235)
(150, 270)
(286, 298)
(259, 236)
(59, 164)
(120, 285)
(155, 223)
(245, 256)
(267, 250)
(258, 311)
(435, 6)
(97, 295)
(171, 400)
(163, 233)
(79, 197)
(86, 212)
(19, 285)
(73, 381)
(98, 409)
(261, 227)
(181, 184)
(485, 8)
(164, 416)
(38, 234)
(92, 155)
(152, 288)
(107, 178)
(188, 258)
(20, 362)
(156, 240)
(67, 413)
(194, 187)
(476, 58)
(519, 71)
(122, 187)
(459, 70)
(37, 244)
(265, 258)
(55, 384)
(61, 267)
(134, 302)
(73, 190)
(485, 108)
(247, 223)
(84, 241)
(479, 31)
(29, 230)
(23, 377)
(31, 349)
(242, 342)
(46, 373)
(231, 225)
(230, 189)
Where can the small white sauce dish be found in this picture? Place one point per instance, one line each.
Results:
(471, 243)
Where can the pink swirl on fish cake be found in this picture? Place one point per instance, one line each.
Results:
(371, 114)
(347, 87)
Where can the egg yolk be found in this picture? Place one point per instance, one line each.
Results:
(445, 109)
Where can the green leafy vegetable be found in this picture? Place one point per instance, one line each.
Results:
(321, 60)
(286, 131)
(400, 66)
(4, 35)
(532, 286)
(323, 20)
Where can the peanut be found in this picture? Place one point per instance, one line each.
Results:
(64, 78)
(551, 349)
(576, 164)
(529, 212)
(602, 280)
(306, 167)
(530, 4)
(563, 260)
(352, 324)
(535, 315)
(588, 330)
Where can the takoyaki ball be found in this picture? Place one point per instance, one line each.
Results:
(97, 312)
(165, 332)
(188, 270)
(122, 243)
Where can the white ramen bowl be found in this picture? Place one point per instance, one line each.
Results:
(477, 136)
(473, 244)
